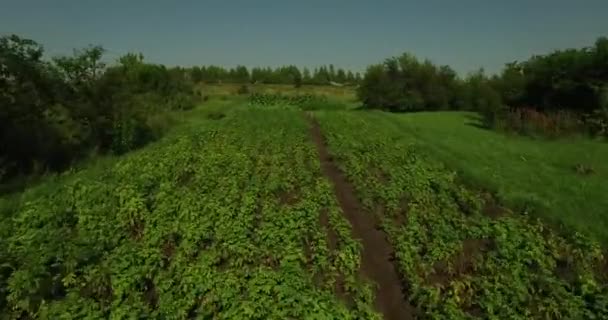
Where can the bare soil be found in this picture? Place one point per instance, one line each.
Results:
(462, 263)
(492, 208)
(376, 258)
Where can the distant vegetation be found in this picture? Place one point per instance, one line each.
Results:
(561, 92)
(323, 75)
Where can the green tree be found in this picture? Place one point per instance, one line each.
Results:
(340, 76)
(406, 84)
(196, 74)
(350, 77)
(306, 76)
(331, 73)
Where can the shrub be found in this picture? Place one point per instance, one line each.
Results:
(54, 112)
(529, 121)
(181, 101)
(406, 84)
(158, 124)
(548, 94)
(597, 122)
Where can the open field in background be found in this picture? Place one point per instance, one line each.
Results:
(346, 94)
(252, 211)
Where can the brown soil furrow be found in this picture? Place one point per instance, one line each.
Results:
(376, 258)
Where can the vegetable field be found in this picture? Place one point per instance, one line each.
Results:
(461, 253)
(242, 217)
(226, 221)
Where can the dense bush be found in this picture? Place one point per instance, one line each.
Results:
(552, 93)
(573, 79)
(55, 111)
(570, 87)
(597, 122)
(532, 122)
(406, 84)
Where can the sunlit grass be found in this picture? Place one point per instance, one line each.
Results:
(533, 174)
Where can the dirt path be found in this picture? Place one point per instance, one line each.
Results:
(376, 263)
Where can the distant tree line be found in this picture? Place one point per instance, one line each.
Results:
(281, 75)
(53, 111)
(562, 86)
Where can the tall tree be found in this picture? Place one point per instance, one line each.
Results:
(350, 77)
(331, 73)
(306, 76)
(241, 74)
(340, 76)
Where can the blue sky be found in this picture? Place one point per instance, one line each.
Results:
(465, 34)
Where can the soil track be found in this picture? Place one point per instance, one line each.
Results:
(376, 258)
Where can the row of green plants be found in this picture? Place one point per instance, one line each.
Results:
(307, 102)
(220, 219)
(462, 255)
(564, 88)
(56, 110)
(274, 99)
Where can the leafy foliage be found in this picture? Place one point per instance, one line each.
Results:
(406, 84)
(462, 254)
(56, 111)
(218, 220)
(573, 82)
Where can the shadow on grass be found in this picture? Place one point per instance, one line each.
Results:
(18, 184)
(476, 120)
(360, 107)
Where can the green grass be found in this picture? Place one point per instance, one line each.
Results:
(536, 174)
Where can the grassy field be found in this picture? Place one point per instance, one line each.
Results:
(248, 211)
(527, 174)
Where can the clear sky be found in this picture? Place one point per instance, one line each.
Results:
(466, 34)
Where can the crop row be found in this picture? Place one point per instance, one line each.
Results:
(462, 254)
(298, 100)
(220, 220)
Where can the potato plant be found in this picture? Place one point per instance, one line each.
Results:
(461, 254)
(218, 220)
(298, 100)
